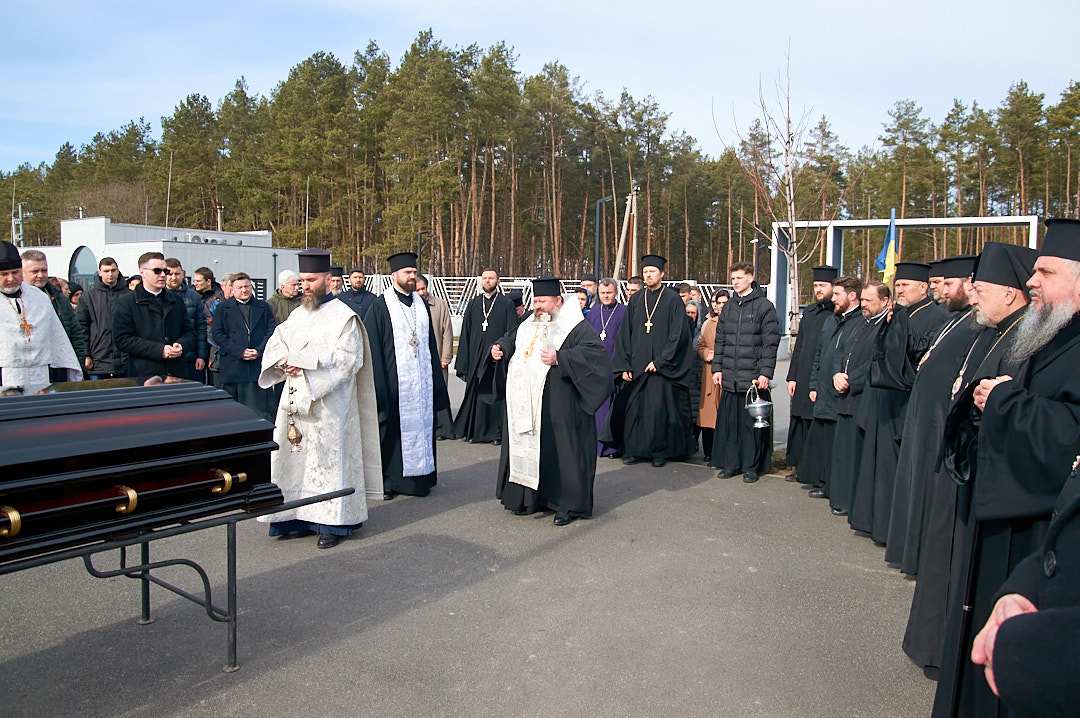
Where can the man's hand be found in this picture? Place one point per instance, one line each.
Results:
(88, 362)
(444, 364)
(717, 378)
(762, 382)
(791, 389)
(549, 357)
(651, 367)
(200, 364)
(840, 382)
(982, 392)
(496, 352)
(982, 649)
(628, 376)
(709, 356)
(250, 354)
(813, 396)
(291, 370)
(172, 351)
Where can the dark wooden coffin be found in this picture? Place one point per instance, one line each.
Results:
(93, 461)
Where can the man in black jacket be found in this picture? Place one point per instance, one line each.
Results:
(175, 284)
(802, 362)
(747, 337)
(151, 326)
(242, 326)
(95, 315)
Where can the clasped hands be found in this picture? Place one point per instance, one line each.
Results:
(548, 356)
(172, 351)
(982, 392)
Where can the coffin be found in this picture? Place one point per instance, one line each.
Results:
(91, 461)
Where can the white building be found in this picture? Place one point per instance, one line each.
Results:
(85, 241)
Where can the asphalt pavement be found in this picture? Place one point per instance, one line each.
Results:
(685, 595)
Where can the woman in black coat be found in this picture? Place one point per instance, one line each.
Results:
(242, 326)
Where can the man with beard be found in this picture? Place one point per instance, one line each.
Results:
(357, 297)
(409, 383)
(1026, 442)
(588, 283)
(606, 318)
(999, 276)
(802, 362)
(650, 417)
(337, 281)
(326, 426)
(747, 337)
(556, 376)
(488, 316)
(927, 407)
(33, 345)
(851, 381)
(825, 389)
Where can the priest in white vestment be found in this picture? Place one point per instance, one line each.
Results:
(31, 337)
(326, 428)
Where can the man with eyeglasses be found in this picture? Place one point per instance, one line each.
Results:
(152, 326)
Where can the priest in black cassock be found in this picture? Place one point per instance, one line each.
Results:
(928, 404)
(802, 361)
(650, 416)
(553, 374)
(409, 386)
(1026, 442)
(1001, 272)
(488, 316)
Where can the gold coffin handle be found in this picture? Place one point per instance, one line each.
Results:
(132, 500)
(227, 478)
(14, 519)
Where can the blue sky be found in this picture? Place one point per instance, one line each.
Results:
(71, 69)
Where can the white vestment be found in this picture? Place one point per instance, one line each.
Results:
(27, 352)
(334, 403)
(415, 390)
(525, 380)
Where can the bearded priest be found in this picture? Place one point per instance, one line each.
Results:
(554, 374)
(326, 426)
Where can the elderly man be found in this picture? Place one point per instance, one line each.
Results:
(557, 375)
(444, 342)
(103, 361)
(36, 273)
(337, 281)
(409, 383)
(1026, 442)
(287, 297)
(327, 428)
(33, 346)
(152, 326)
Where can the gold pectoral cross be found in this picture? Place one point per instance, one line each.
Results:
(648, 327)
(27, 327)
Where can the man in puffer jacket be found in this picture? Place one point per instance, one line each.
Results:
(747, 337)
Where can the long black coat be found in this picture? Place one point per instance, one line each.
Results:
(747, 337)
(95, 314)
(144, 324)
(833, 348)
(233, 335)
(1036, 654)
(813, 319)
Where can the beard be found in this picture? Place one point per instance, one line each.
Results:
(314, 300)
(982, 320)
(958, 303)
(1038, 327)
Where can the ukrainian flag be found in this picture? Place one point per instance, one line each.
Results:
(886, 261)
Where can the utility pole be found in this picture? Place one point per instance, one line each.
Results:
(596, 227)
(220, 209)
(168, 192)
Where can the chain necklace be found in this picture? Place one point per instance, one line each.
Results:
(941, 336)
(605, 322)
(410, 323)
(486, 310)
(648, 314)
(24, 324)
(959, 383)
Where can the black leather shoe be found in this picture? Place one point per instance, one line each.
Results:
(289, 535)
(659, 461)
(630, 460)
(564, 519)
(387, 495)
(807, 487)
(839, 512)
(520, 512)
(750, 477)
(817, 494)
(328, 541)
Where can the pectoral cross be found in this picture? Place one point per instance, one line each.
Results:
(27, 328)
(603, 335)
(648, 327)
(483, 326)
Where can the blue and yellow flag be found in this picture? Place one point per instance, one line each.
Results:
(886, 261)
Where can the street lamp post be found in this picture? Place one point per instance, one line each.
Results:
(596, 259)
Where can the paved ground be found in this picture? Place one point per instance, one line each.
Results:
(685, 595)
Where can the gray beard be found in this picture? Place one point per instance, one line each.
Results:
(982, 320)
(1038, 327)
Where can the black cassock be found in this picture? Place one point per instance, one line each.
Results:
(853, 360)
(384, 368)
(359, 301)
(900, 345)
(1026, 442)
(480, 419)
(573, 390)
(650, 416)
(802, 363)
(864, 402)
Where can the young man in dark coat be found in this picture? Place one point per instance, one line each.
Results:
(176, 285)
(151, 326)
(95, 314)
(357, 295)
(747, 337)
(1029, 431)
(242, 326)
(802, 362)
(548, 459)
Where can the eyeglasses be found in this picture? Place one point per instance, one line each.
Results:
(158, 270)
